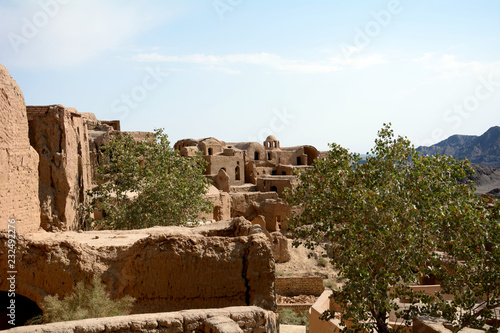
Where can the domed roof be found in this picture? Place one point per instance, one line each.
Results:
(271, 138)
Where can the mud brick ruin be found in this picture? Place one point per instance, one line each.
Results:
(47, 159)
(255, 175)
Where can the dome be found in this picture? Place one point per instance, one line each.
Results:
(271, 138)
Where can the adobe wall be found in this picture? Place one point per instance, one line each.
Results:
(99, 133)
(18, 161)
(316, 324)
(266, 183)
(275, 212)
(164, 268)
(222, 205)
(294, 286)
(247, 204)
(248, 319)
(267, 204)
(279, 245)
(292, 156)
(60, 137)
(234, 166)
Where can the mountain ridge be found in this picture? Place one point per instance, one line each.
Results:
(483, 149)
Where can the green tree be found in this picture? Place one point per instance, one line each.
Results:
(147, 183)
(393, 220)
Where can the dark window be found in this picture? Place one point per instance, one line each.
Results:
(269, 156)
(283, 173)
(274, 189)
(237, 173)
(209, 151)
(299, 160)
(275, 172)
(217, 213)
(256, 156)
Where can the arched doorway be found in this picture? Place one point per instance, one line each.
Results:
(312, 154)
(18, 307)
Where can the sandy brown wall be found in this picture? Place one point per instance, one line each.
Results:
(294, 286)
(18, 161)
(164, 268)
(248, 319)
(60, 137)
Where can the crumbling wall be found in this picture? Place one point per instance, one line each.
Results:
(247, 204)
(60, 137)
(279, 245)
(164, 268)
(267, 204)
(246, 319)
(98, 135)
(277, 184)
(18, 161)
(222, 205)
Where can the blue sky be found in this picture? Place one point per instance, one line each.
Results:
(309, 72)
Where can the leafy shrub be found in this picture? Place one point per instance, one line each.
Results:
(329, 284)
(85, 302)
(290, 317)
(322, 261)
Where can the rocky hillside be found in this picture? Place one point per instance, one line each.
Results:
(487, 180)
(484, 149)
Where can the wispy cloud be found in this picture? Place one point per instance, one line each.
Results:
(229, 63)
(449, 68)
(71, 33)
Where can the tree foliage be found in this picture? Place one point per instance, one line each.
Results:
(393, 220)
(147, 183)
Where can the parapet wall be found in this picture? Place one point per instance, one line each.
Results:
(225, 320)
(299, 285)
(164, 268)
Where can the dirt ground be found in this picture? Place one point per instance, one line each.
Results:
(314, 265)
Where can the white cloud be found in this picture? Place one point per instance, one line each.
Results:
(359, 61)
(449, 68)
(273, 61)
(70, 32)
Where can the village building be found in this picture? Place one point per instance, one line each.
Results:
(245, 163)
(255, 175)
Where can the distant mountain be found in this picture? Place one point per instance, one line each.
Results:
(484, 149)
(487, 180)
